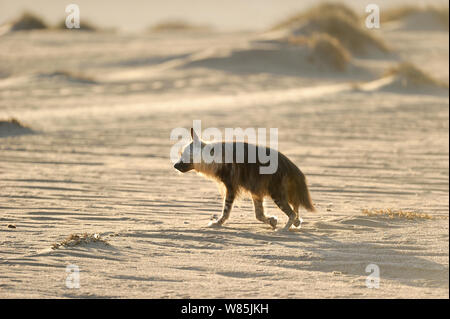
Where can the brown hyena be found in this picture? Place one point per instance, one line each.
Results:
(286, 186)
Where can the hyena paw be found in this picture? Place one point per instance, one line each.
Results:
(214, 224)
(298, 222)
(273, 222)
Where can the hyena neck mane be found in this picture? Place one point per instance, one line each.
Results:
(212, 169)
(207, 169)
(231, 167)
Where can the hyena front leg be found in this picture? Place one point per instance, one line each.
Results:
(227, 206)
(259, 212)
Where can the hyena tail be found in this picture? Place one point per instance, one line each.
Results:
(302, 193)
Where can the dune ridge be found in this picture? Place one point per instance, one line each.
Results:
(417, 18)
(338, 21)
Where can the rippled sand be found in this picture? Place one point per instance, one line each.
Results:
(98, 163)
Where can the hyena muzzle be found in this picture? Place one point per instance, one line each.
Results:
(286, 186)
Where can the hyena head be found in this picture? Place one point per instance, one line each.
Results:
(190, 152)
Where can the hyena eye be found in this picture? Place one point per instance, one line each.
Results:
(211, 152)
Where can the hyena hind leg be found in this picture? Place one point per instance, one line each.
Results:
(283, 204)
(259, 212)
(298, 220)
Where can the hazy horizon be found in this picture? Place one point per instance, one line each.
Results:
(135, 15)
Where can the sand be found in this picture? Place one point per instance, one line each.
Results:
(102, 106)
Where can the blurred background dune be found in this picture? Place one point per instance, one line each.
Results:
(135, 15)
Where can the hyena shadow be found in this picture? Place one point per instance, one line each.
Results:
(322, 251)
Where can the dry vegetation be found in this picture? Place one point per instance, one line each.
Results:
(349, 33)
(13, 124)
(13, 127)
(80, 239)
(338, 21)
(12, 121)
(324, 8)
(325, 50)
(411, 75)
(329, 50)
(333, 33)
(177, 26)
(397, 214)
(28, 21)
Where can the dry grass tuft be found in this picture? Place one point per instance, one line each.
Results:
(338, 21)
(13, 122)
(28, 21)
(80, 239)
(323, 8)
(177, 26)
(329, 51)
(350, 34)
(12, 127)
(411, 75)
(395, 214)
(324, 50)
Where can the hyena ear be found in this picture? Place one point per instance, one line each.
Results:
(194, 135)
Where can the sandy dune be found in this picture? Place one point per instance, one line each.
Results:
(98, 162)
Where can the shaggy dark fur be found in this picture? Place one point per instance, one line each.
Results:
(286, 186)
